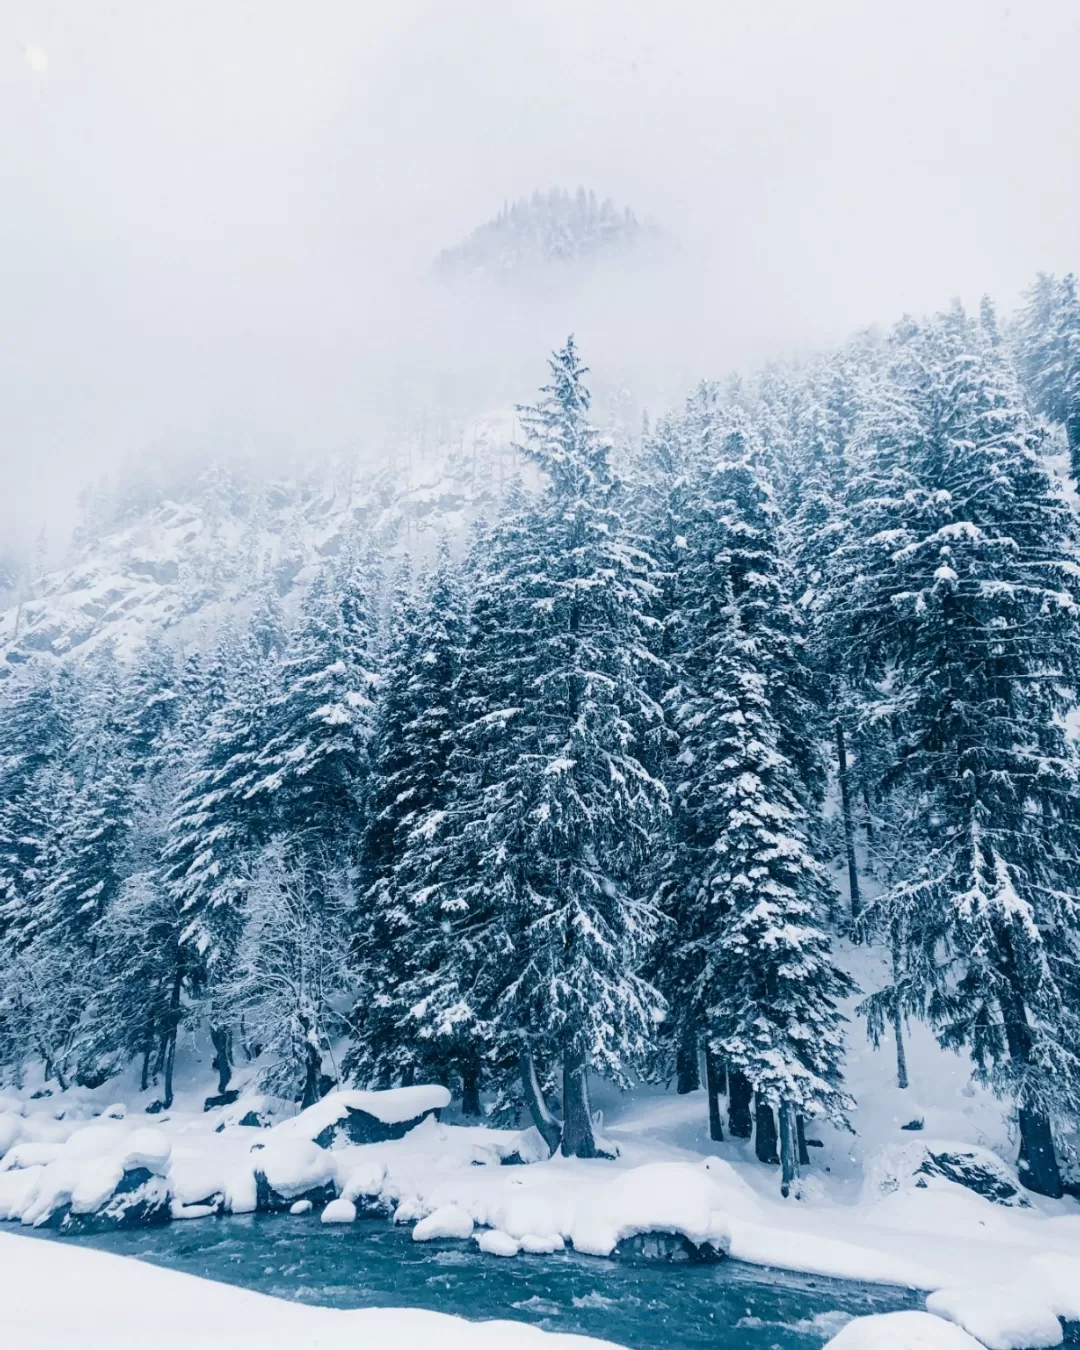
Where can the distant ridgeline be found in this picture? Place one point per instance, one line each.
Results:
(553, 227)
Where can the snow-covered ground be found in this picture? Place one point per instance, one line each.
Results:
(1003, 1271)
(53, 1296)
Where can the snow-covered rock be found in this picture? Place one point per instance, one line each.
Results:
(356, 1117)
(924, 1164)
(666, 1197)
(537, 1245)
(902, 1331)
(339, 1211)
(289, 1169)
(1000, 1318)
(16, 1187)
(497, 1243)
(301, 1207)
(448, 1221)
(30, 1155)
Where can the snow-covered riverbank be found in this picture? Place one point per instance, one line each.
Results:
(53, 1295)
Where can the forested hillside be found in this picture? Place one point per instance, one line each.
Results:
(563, 797)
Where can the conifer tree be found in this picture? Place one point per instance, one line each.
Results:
(957, 599)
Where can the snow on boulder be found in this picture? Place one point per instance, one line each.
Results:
(147, 1148)
(367, 1186)
(542, 1246)
(675, 1199)
(94, 1141)
(139, 1200)
(1001, 1319)
(909, 1330)
(292, 1169)
(356, 1117)
(497, 1243)
(924, 1164)
(448, 1221)
(339, 1211)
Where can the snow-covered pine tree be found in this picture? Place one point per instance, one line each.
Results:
(407, 954)
(1048, 341)
(313, 758)
(957, 598)
(214, 830)
(752, 956)
(560, 814)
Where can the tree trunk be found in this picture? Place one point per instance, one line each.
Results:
(714, 1084)
(144, 1080)
(898, 1023)
(765, 1131)
(170, 1036)
(577, 1133)
(470, 1088)
(170, 1057)
(221, 1038)
(849, 821)
(687, 1068)
(312, 1074)
(740, 1095)
(1037, 1164)
(804, 1152)
(549, 1128)
(789, 1149)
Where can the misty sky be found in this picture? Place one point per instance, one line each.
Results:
(215, 215)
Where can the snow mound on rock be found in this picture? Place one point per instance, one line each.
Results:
(1001, 1319)
(902, 1331)
(665, 1197)
(448, 1221)
(497, 1243)
(339, 1211)
(930, 1164)
(392, 1107)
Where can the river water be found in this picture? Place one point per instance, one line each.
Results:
(368, 1264)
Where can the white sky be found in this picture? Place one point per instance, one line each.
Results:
(214, 213)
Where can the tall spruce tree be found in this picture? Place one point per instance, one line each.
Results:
(957, 601)
(561, 814)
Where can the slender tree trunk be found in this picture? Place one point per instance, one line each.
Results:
(687, 1068)
(1037, 1164)
(804, 1152)
(764, 1131)
(549, 1128)
(312, 1073)
(221, 1039)
(789, 1149)
(898, 1022)
(714, 1070)
(869, 808)
(470, 1088)
(144, 1081)
(577, 1133)
(170, 1058)
(740, 1097)
(170, 1036)
(849, 821)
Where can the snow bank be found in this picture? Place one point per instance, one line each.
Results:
(902, 1331)
(112, 1303)
(1001, 1319)
(1054, 1278)
(657, 1198)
